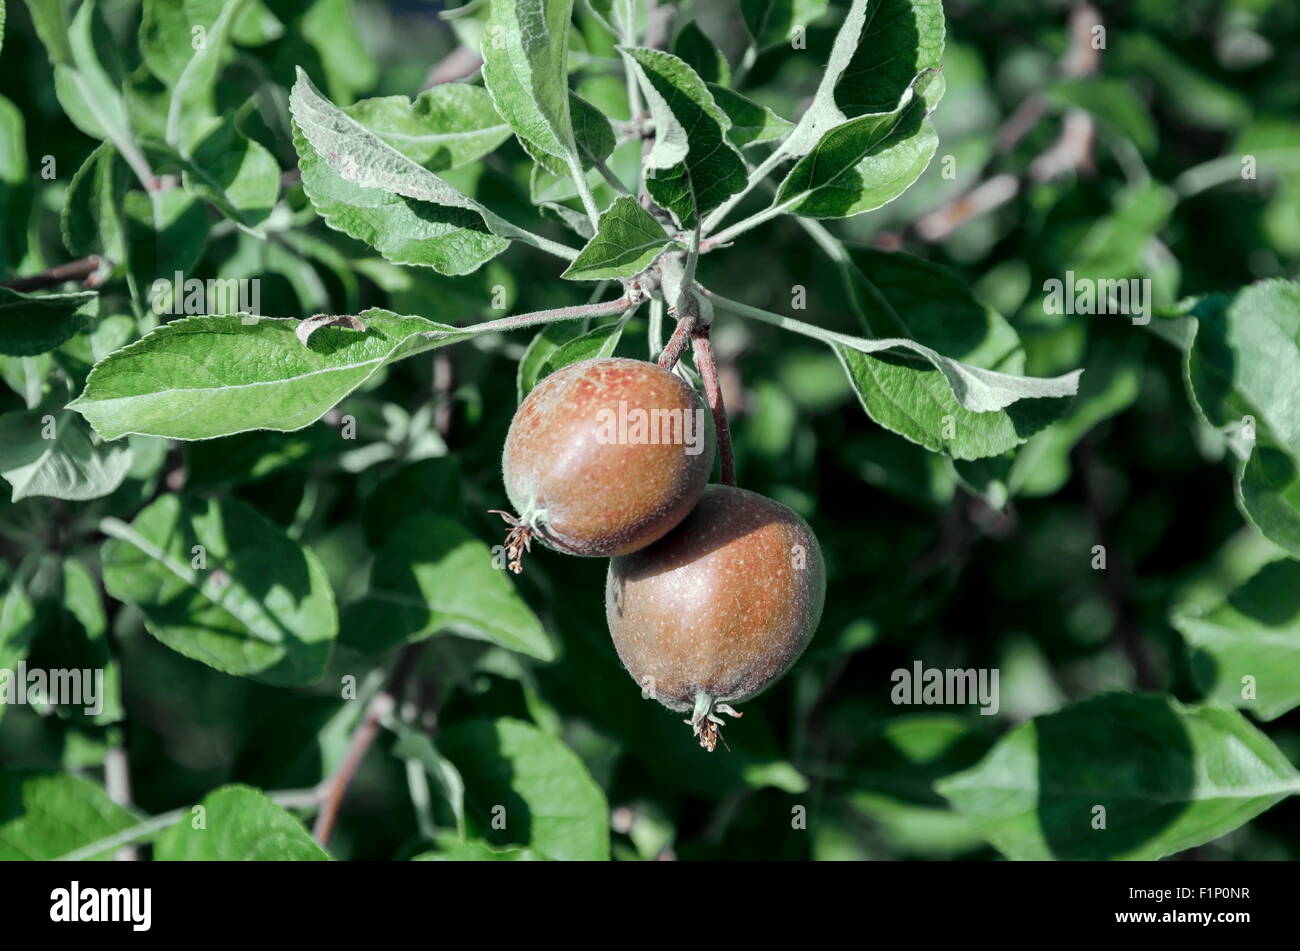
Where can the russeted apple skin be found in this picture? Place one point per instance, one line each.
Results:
(585, 496)
(723, 605)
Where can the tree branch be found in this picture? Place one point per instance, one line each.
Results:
(380, 706)
(84, 270)
(518, 321)
(677, 342)
(460, 63)
(117, 780)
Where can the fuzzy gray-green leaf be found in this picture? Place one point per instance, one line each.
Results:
(966, 397)
(865, 162)
(693, 168)
(203, 377)
(627, 240)
(525, 68)
(751, 124)
(445, 127)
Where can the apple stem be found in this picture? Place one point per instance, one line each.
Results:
(708, 368)
(677, 343)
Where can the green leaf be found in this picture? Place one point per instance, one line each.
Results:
(593, 345)
(88, 75)
(595, 141)
(1268, 490)
(433, 577)
(751, 124)
(218, 582)
(627, 241)
(927, 415)
(966, 398)
(1114, 103)
(54, 455)
(532, 365)
(452, 849)
(92, 219)
(591, 130)
(1170, 778)
(449, 239)
(414, 746)
(432, 485)
(239, 824)
(880, 49)
(165, 232)
(624, 18)
(535, 783)
(693, 46)
(525, 67)
(256, 25)
(34, 323)
(445, 127)
(364, 187)
(1246, 356)
(899, 40)
(1116, 245)
(203, 377)
(17, 630)
(233, 172)
(44, 816)
(866, 162)
(692, 167)
(327, 33)
(16, 189)
(1246, 651)
(1113, 379)
(1239, 369)
(81, 599)
(168, 35)
(192, 91)
(50, 18)
(773, 22)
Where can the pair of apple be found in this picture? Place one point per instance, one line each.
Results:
(713, 591)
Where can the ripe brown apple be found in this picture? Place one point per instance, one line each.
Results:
(720, 608)
(604, 457)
